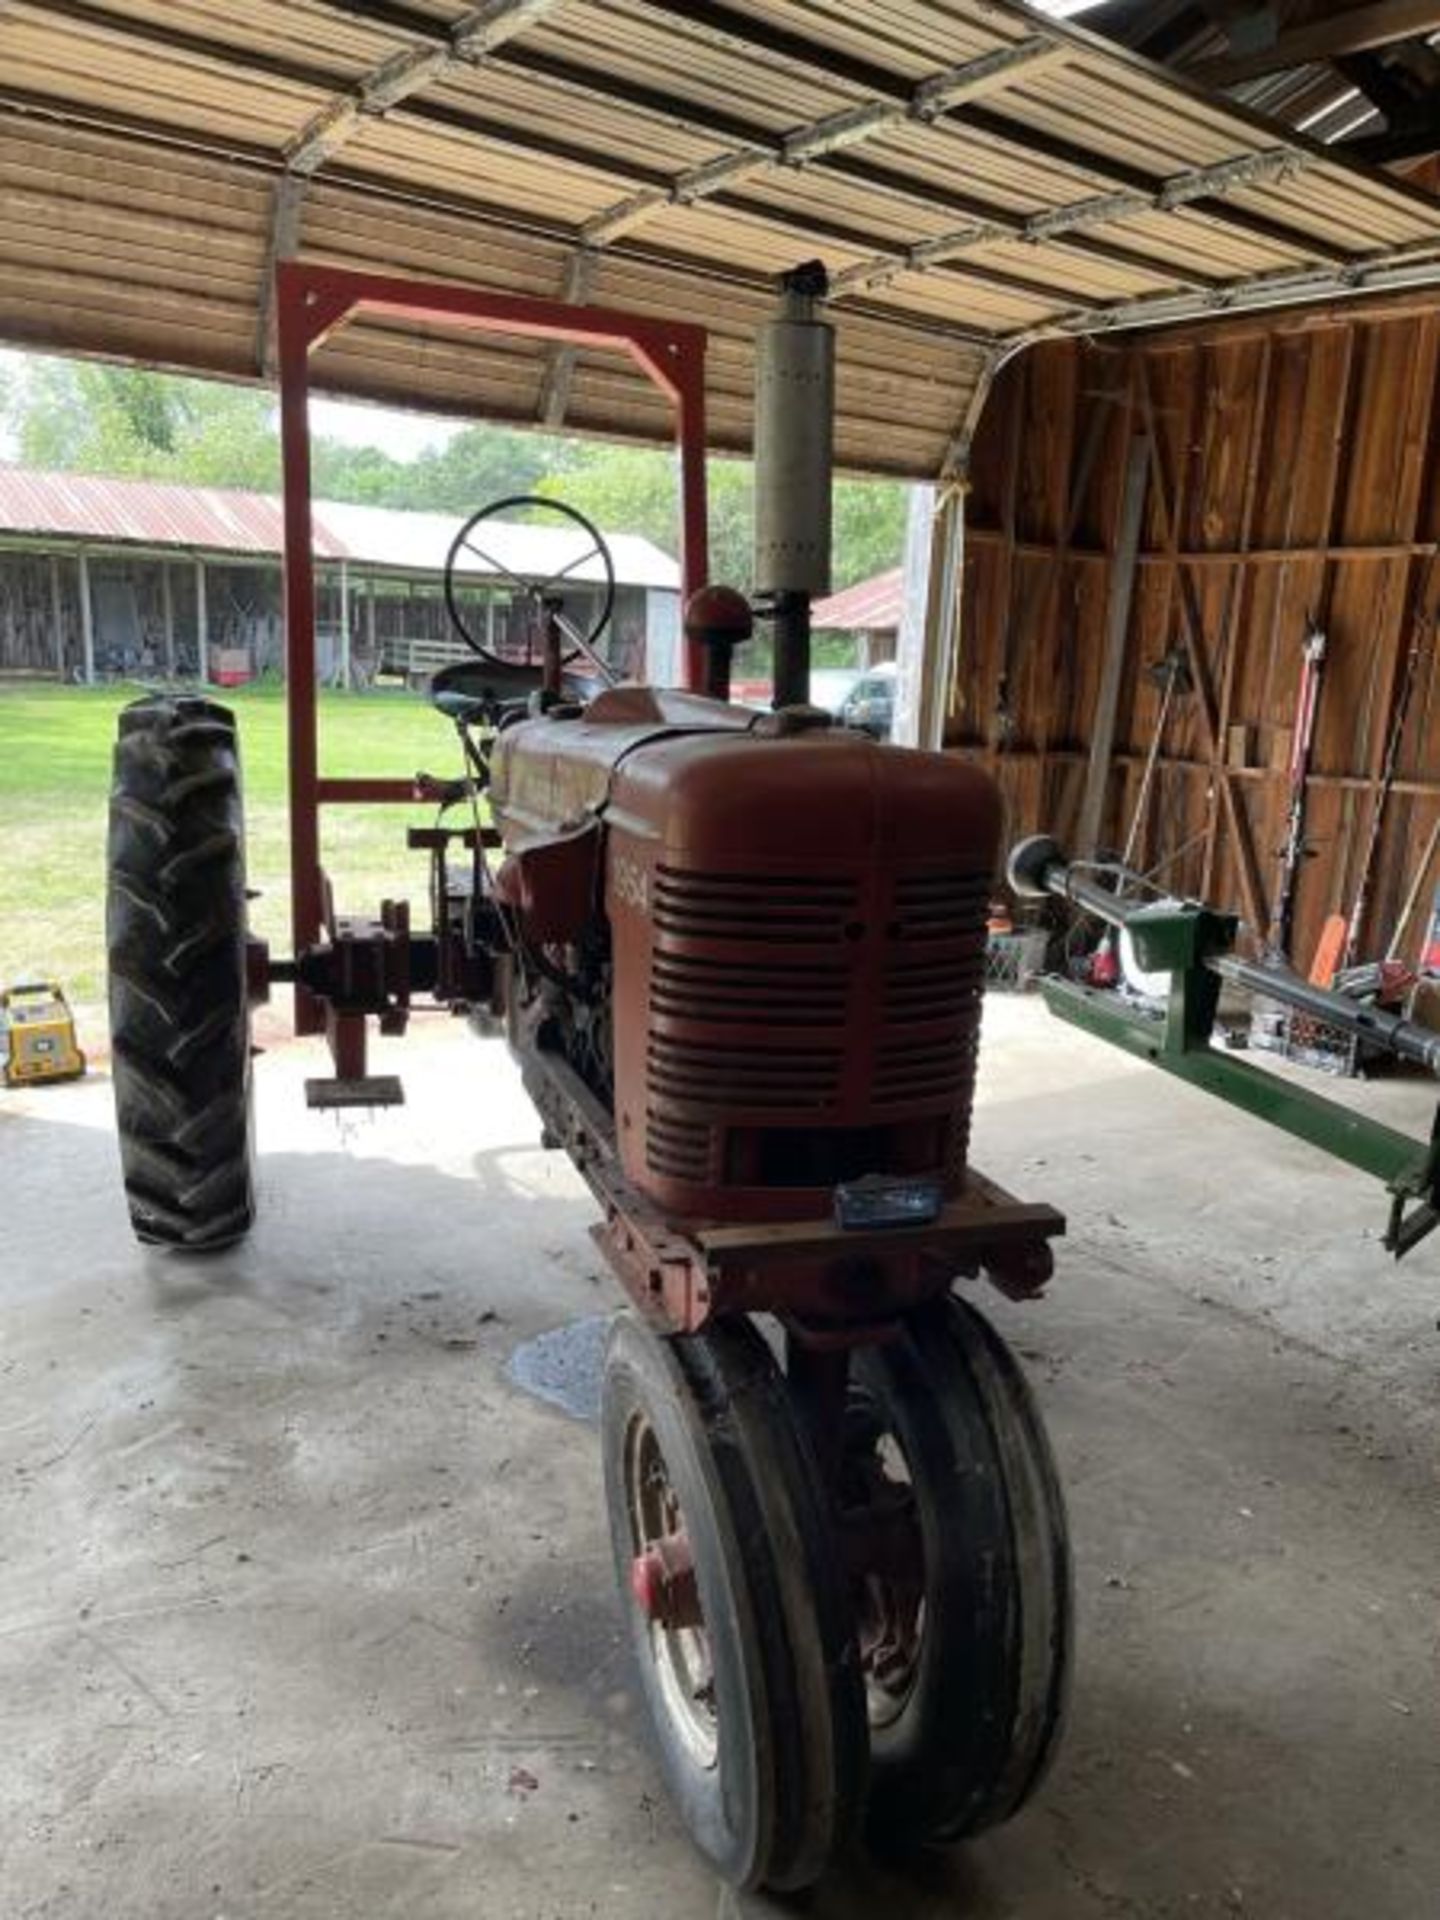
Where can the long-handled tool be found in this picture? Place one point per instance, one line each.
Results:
(1302, 743)
(1172, 675)
(1398, 722)
(1402, 925)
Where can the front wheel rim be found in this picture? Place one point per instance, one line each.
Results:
(890, 1609)
(681, 1656)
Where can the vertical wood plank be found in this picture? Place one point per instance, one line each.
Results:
(1117, 629)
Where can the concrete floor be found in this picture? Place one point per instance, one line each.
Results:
(305, 1607)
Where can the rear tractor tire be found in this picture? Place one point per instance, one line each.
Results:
(179, 1004)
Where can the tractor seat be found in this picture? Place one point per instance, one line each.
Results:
(487, 687)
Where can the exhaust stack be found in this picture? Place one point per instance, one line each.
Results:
(794, 437)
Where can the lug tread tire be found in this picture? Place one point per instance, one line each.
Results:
(179, 1011)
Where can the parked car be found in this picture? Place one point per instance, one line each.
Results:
(870, 703)
(831, 687)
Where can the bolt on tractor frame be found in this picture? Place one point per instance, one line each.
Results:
(739, 958)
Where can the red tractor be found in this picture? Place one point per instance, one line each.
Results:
(739, 958)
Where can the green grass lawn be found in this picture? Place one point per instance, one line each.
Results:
(55, 745)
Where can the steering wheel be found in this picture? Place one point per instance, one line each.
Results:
(539, 595)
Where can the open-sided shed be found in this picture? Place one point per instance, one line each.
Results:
(975, 175)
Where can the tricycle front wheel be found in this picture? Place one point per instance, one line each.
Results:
(965, 1639)
(737, 1610)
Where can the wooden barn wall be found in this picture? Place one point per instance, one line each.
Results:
(1293, 478)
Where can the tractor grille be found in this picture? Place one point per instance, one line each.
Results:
(768, 909)
(679, 1148)
(752, 1012)
(765, 956)
(925, 989)
(916, 1072)
(934, 977)
(941, 906)
(719, 1079)
(749, 993)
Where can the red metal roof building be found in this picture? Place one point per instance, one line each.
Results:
(870, 606)
(107, 576)
(146, 513)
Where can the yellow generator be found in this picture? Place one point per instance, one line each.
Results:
(37, 1031)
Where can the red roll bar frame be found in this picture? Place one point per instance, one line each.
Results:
(310, 303)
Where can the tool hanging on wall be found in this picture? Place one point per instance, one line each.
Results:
(1172, 675)
(1402, 925)
(1398, 723)
(1302, 744)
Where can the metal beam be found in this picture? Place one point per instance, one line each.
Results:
(1119, 174)
(749, 141)
(384, 190)
(560, 373)
(283, 243)
(708, 121)
(654, 188)
(1393, 271)
(731, 26)
(1351, 31)
(925, 101)
(471, 38)
(1182, 189)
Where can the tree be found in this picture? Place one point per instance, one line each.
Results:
(869, 529)
(476, 466)
(635, 488)
(81, 416)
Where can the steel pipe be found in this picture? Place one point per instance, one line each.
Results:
(1037, 870)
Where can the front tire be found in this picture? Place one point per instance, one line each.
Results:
(755, 1700)
(967, 1659)
(179, 1006)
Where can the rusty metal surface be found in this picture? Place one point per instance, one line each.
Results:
(682, 1275)
(799, 936)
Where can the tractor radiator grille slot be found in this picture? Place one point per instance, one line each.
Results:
(921, 987)
(720, 1078)
(751, 907)
(933, 982)
(679, 1148)
(749, 993)
(911, 1071)
(941, 906)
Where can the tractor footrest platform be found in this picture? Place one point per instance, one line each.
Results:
(370, 1090)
